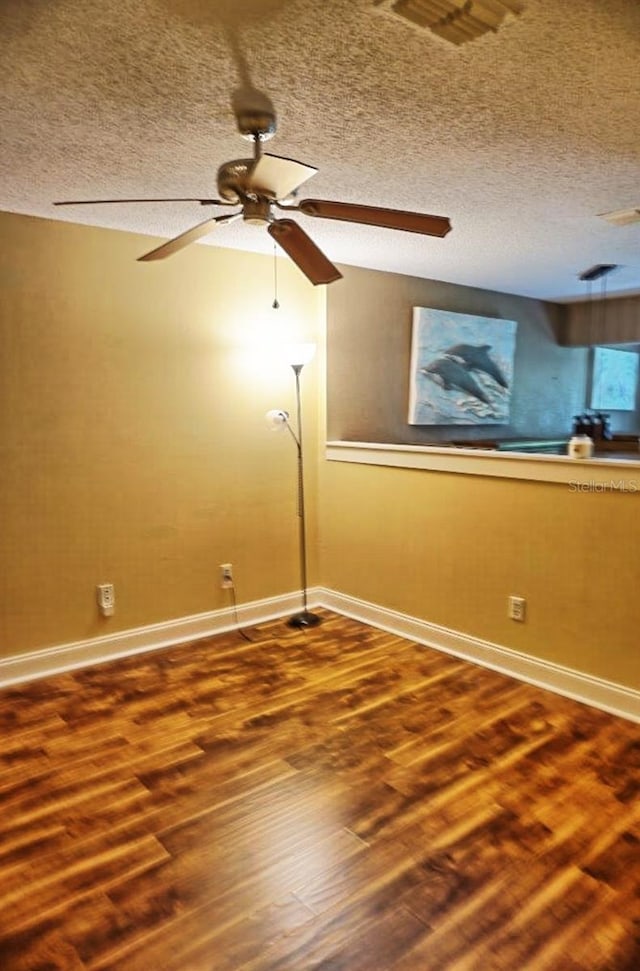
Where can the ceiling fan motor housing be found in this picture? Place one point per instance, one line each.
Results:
(233, 179)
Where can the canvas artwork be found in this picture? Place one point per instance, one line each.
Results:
(615, 379)
(461, 368)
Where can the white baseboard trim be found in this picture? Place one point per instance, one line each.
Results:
(596, 692)
(80, 654)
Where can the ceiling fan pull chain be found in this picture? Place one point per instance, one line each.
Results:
(275, 303)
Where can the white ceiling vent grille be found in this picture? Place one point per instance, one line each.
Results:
(457, 21)
(621, 217)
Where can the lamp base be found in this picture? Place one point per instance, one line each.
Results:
(304, 619)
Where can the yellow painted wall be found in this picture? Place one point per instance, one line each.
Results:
(449, 549)
(133, 446)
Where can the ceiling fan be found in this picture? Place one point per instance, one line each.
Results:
(264, 183)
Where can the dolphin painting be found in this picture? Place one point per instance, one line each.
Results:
(475, 357)
(448, 373)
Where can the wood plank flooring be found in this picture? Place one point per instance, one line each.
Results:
(337, 799)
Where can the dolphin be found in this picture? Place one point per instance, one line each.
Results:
(475, 357)
(448, 373)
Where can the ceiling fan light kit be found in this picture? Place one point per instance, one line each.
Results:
(264, 183)
(456, 21)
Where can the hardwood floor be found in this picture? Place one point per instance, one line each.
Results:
(337, 798)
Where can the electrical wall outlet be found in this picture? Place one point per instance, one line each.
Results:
(226, 576)
(517, 608)
(106, 599)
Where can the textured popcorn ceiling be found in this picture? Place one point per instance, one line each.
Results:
(521, 137)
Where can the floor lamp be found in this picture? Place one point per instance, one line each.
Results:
(297, 355)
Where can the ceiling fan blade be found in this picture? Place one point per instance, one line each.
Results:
(410, 222)
(191, 235)
(108, 202)
(303, 251)
(278, 177)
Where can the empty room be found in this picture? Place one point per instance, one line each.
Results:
(320, 482)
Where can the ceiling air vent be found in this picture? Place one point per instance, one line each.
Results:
(621, 217)
(457, 21)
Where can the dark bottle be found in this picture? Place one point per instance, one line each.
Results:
(583, 425)
(607, 434)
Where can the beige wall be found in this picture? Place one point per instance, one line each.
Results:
(449, 549)
(133, 446)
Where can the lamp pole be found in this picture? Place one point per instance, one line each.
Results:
(297, 355)
(305, 618)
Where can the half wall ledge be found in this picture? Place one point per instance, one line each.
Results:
(598, 474)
